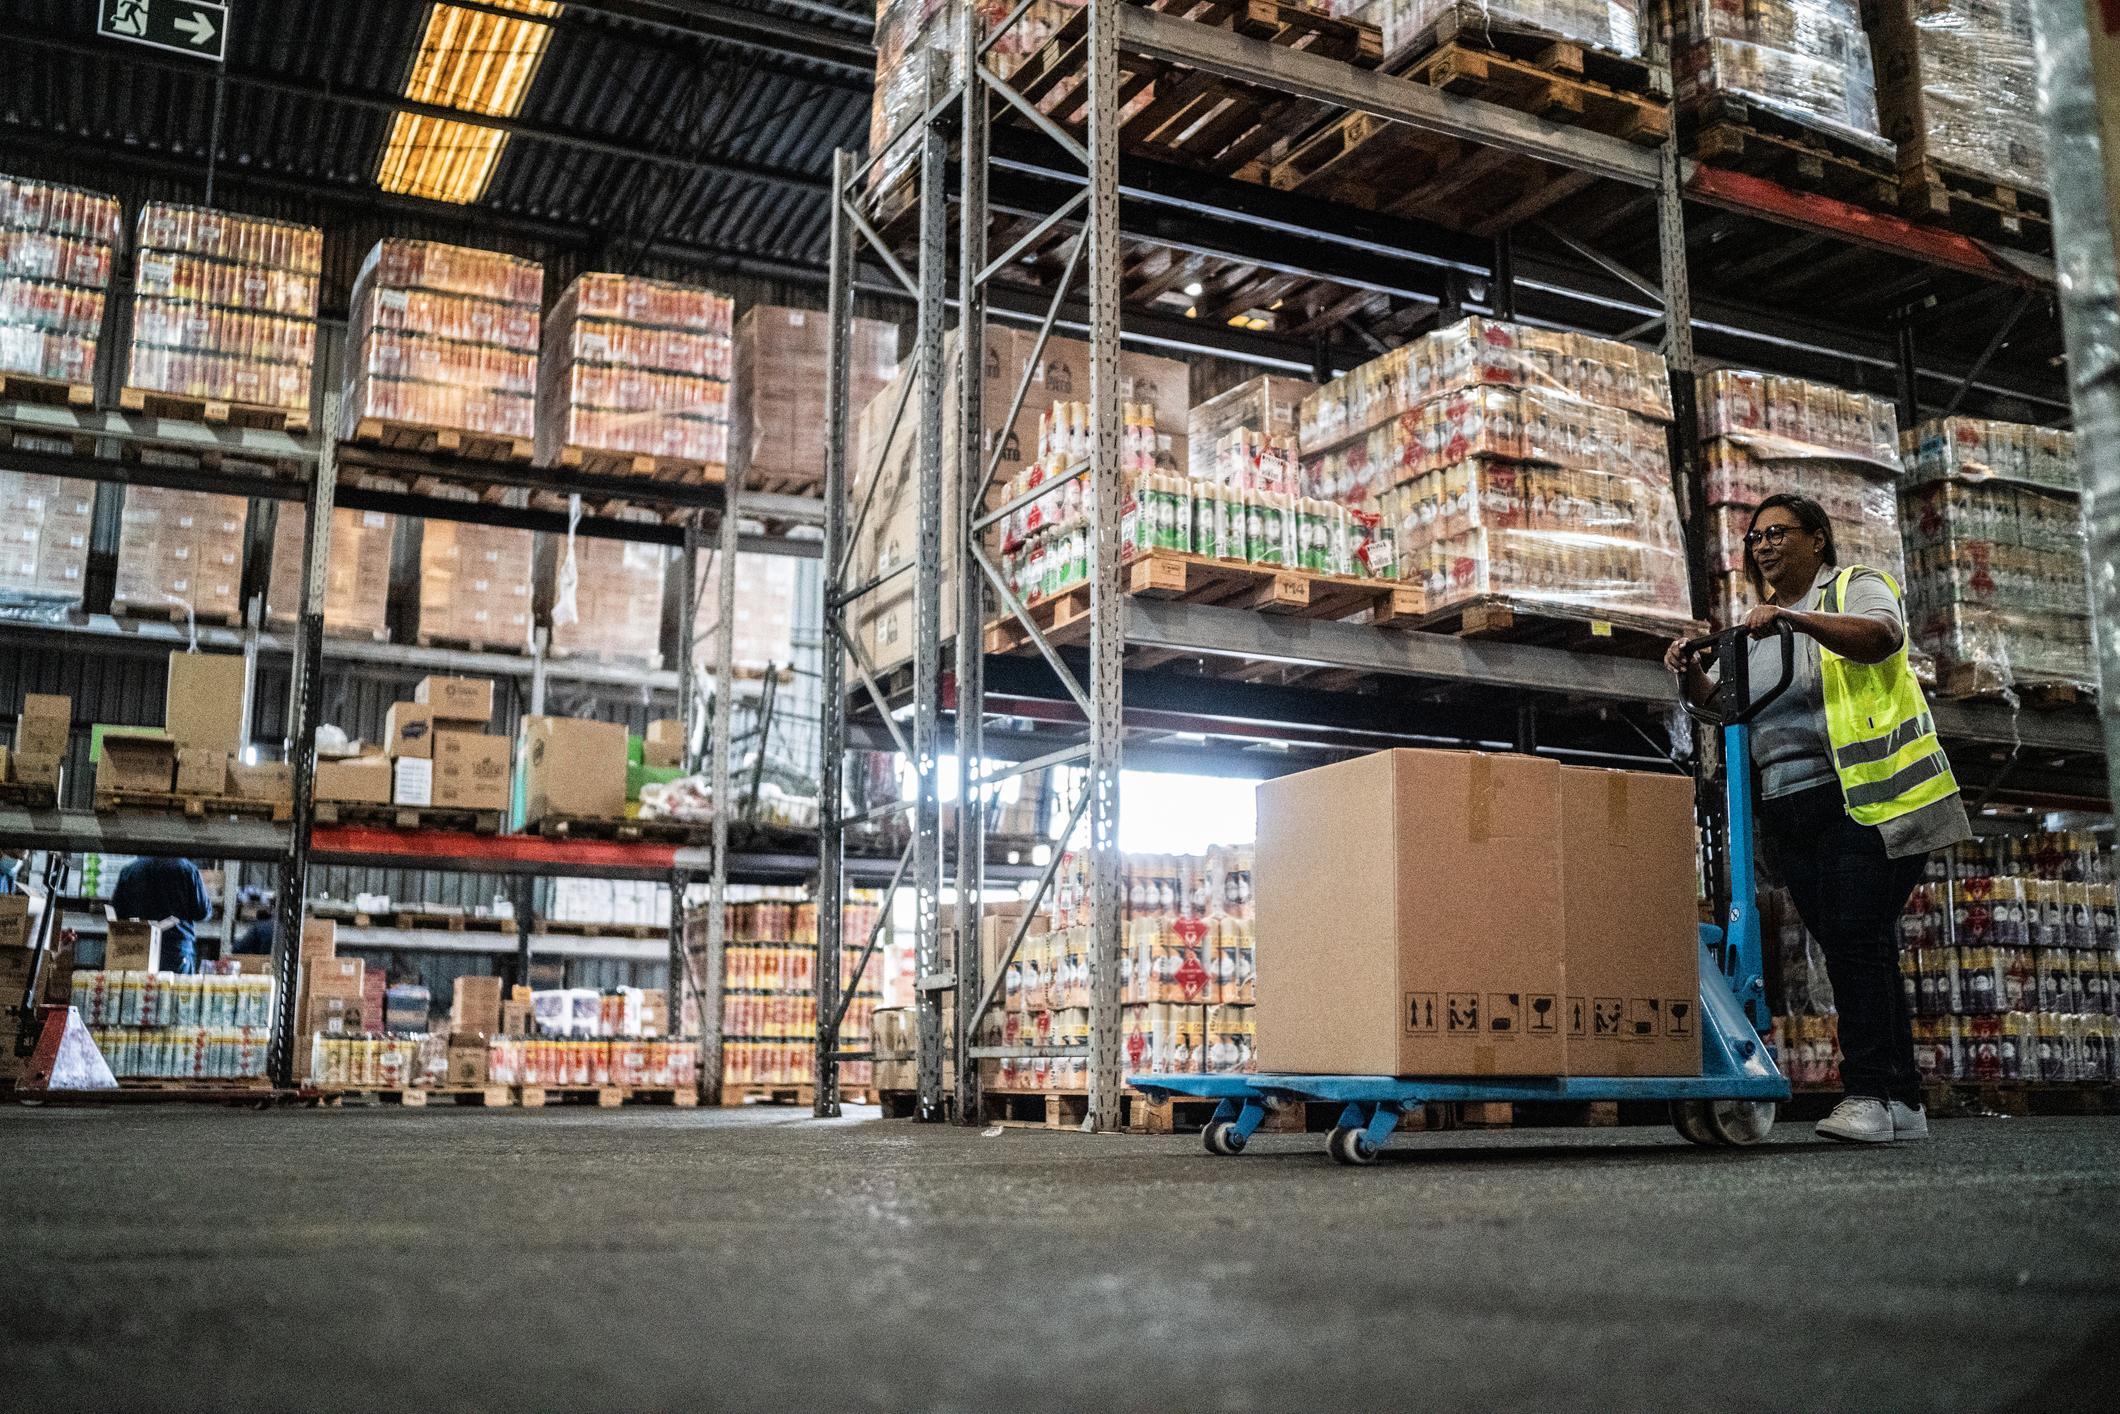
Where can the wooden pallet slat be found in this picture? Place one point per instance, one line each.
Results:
(448, 441)
(174, 613)
(407, 817)
(196, 807)
(681, 832)
(647, 466)
(1975, 203)
(1727, 131)
(29, 388)
(1590, 630)
(215, 412)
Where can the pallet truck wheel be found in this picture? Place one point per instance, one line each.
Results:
(1351, 1146)
(1739, 1123)
(1221, 1137)
(1689, 1117)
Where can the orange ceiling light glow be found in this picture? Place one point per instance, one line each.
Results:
(481, 63)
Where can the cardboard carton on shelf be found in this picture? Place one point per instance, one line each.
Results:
(408, 730)
(664, 744)
(471, 771)
(320, 939)
(455, 700)
(201, 770)
(46, 725)
(1633, 923)
(132, 945)
(467, 1063)
(573, 768)
(1410, 917)
(14, 925)
(267, 780)
(204, 703)
(475, 1007)
(35, 771)
(137, 762)
(354, 780)
(357, 580)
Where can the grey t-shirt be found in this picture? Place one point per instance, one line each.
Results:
(1789, 742)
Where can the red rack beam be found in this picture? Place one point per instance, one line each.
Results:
(418, 848)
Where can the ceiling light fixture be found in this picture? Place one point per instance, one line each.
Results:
(1195, 290)
(479, 62)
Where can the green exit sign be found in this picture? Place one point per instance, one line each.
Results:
(195, 27)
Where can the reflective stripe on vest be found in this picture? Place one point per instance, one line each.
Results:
(1885, 750)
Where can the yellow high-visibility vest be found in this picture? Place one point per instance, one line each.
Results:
(1884, 742)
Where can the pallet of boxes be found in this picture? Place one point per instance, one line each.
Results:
(193, 764)
(200, 1032)
(30, 769)
(436, 767)
(572, 777)
(1489, 915)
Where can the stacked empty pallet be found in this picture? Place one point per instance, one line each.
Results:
(57, 248)
(614, 612)
(636, 379)
(1784, 89)
(779, 417)
(223, 317)
(180, 554)
(1762, 435)
(1997, 587)
(475, 586)
(1957, 89)
(357, 575)
(445, 350)
(1513, 464)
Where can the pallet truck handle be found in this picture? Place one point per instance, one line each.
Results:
(1732, 703)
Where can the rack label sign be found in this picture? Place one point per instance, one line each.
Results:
(195, 27)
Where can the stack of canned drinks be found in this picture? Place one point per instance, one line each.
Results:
(170, 1026)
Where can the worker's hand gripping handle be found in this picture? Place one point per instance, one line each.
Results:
(1732, 701)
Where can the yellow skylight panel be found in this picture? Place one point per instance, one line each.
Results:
(476, 61)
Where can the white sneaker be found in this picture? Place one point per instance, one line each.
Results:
(1908, 1123)
(1858, 1121)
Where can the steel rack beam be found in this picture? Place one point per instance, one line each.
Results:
(249, 840)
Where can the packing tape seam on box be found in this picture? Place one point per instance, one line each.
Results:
(1479, 804)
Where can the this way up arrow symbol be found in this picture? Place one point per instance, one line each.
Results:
(198, 27)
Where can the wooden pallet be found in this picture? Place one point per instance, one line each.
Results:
(804, 1094)
(407, 817)
(535, 1097)
(174, 613)
(683, 1097)
(469, 645)
(650, 663)
(194, 807)
(285, 623)
(647, 466)
(572, 929)
(448, 441)
(1169, 574)
(1977, 205)
(28, 388)
(66, 444)
(1962, 682)
(1197, 119)
(1368, 161)
(1727, 131)
(213, 411)
(1560, 626)
(1473, 25)
(29, 797)
(679, 832)
(898, 1104)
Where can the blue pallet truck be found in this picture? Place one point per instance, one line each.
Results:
(1733, 1099)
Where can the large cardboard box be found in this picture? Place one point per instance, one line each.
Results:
(471, 771)
(357, 579)
(14, 923)
(475, 584)
(354, 780)
(664, 745)
(46, 725)
(455, 699)
(1410, 917)
(201, 770)
(320, 939)
(408, 730)
(777, 398)
(132, 945)
(467, 1064)
(475, 1007)
(204, 707)
(573, 768)
(268, 780)
(35, 770)
(137, 763)
(1633, 923)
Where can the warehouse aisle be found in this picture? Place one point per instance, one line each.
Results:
(754, 1260)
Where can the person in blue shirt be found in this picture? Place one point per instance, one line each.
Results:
(256, 939)
(154, 889)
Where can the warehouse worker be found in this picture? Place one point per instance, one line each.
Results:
(1854, 792)
(155, 889)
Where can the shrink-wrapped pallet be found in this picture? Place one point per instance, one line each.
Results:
(636, 367)
(180, 553)
(44, 530)
(357, 579)
(445, 338)
(781, 387)
(58, 246)
(475, 585)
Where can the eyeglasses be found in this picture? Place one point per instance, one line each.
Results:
(1773, 535)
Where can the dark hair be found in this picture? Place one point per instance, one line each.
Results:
(1809, 515)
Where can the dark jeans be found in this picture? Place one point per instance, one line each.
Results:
(1849, 893)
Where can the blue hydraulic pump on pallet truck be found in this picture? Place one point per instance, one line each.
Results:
(1731, 1102)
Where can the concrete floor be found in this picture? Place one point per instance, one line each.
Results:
(659, 1259)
